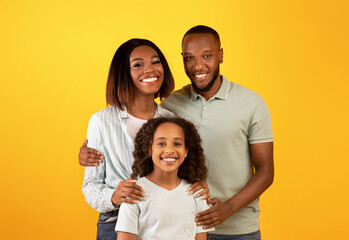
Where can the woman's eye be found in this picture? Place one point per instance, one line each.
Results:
(157, 62)
(137, 65)
(178, 144)
(161, 144)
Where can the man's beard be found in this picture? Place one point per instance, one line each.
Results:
(209, 85)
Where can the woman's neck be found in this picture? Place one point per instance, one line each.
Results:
(143, 108)
(168, 181)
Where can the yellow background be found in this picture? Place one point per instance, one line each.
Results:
(54, 59)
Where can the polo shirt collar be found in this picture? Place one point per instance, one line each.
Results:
(222, 92)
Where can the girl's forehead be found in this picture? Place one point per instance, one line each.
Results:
(169, 129)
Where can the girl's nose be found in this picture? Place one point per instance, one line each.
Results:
(168, 150)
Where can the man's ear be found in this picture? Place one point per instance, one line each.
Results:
(221, 55)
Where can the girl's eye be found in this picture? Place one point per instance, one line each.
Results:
(178, 144)
(161, 144)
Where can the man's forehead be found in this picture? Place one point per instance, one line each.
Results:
(204, 42)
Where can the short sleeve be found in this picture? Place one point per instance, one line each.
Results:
(201, 205)
(128, 218)
(260, 129)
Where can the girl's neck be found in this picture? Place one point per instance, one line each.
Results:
(168, 181)
(143, 108)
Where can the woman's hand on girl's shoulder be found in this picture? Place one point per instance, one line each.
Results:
(128, 191)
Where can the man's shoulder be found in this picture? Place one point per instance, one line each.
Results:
(183, 92)
(178, 95)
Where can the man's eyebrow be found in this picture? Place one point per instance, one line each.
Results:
(206, 51)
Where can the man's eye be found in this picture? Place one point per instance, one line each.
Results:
(188, 58)
(207, 56)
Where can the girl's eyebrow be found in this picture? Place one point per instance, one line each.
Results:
(178, 138)
(163, 138)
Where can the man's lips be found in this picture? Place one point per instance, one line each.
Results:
(200, 76)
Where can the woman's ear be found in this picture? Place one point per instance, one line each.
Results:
(186, 152)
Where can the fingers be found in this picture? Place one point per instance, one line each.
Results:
(207, 219)
(213, 201)
(130, 189)
(203, 192)
(215, 223)
(200, 189)
(84, 144)
(89, 156)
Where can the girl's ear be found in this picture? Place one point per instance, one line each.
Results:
(186, 152)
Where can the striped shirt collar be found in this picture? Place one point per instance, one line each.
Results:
(158, 111)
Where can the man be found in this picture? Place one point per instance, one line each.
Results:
(235, 127)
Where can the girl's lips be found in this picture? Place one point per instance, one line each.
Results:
(169, 160)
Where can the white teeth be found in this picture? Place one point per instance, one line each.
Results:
(146, 80)
(201, 75)
(169, 159)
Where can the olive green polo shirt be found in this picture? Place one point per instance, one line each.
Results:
(228, 122)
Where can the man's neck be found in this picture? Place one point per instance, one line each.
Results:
(214, 89)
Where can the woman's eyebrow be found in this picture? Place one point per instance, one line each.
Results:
(136, 59)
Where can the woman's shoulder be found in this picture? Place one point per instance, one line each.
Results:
(107, 113)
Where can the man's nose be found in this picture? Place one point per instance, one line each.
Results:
(199, 64)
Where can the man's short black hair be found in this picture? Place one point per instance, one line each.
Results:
(203, 29)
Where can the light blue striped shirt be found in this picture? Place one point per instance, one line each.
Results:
(107, 132)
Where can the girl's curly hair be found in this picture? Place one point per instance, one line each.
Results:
(192, 169)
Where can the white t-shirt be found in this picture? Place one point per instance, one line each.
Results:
(133, 125)
(163, 214)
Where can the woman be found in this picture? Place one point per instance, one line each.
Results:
(138, 74)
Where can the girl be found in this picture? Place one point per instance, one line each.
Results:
(168, 158)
